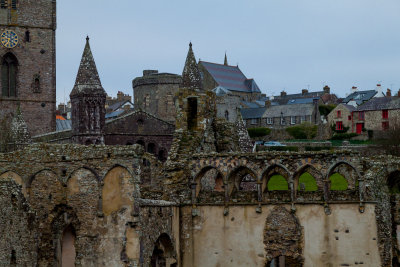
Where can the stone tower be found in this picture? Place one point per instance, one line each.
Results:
(88, 102)
(27, 62)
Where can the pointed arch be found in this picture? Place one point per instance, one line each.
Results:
(316, 177)
(9, 69)
(68, 251)
(163, 252)
(206, 181)
(237, 176)
(275, 169)
(347, 171)
(98, 178)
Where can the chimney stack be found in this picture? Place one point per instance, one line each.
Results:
(268, 104)
(304, 91)
(354, 89)
(283, 93)
(327, 89)
(388, 92)
(378, 90)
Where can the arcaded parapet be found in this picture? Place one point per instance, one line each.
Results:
(18, 226)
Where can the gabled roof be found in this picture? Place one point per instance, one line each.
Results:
(349, 107)
(380, 103)
(252, 113)
(360, 96)
(117, 105)
(114, 114)
(137, 112)
(230, 77)
(289, 110)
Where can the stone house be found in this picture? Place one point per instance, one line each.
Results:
(285, 98)
(341, 116)
(282, 116)
(378, 115)
(227, 104)
(253, 117)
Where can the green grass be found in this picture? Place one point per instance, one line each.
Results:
(309, 181)
(277, 182)
(338, 182)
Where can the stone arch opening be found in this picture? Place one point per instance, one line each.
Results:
(68, 251)
(151, 148)
(163, 252)
(393, 182)
(9, 175)
(162, 155)
(342, 176)
(242, 179)
(141, 142)
(209, 179)
(192, 113)
(275, 178)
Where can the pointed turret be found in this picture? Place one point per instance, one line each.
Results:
(87, 80)
(88, 102)
(226, 60)
(191, 77)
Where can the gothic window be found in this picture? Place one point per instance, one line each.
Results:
(27, 36)
(9, 75)
(36, 83)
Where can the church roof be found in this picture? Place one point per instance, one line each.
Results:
(230, 77)
(88, 80)
(191, 77)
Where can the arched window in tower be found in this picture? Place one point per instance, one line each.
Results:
(227, 115)
(9, 75)
(28, 36)
(36, 84)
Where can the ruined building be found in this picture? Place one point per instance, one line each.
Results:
(210, 203)
(28, 62)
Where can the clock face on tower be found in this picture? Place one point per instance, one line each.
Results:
(9, 39)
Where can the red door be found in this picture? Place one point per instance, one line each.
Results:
(359, 127)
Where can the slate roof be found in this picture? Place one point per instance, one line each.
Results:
(289, 110)
(247, 104)
(230, 77)
(283, 100)
(380, 103)
(252, 113)
(220, 91)
(62, 125)
(360, 96)
(117, 105)
(114, 114)
(349, 107)
(301, 101)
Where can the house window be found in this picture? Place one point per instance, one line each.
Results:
(254, 121)
(9, 75)
(339, 113)
(270, 121)
(385, 125)
(303, 118)
(385, 114)
(361, 115)
(14, 4)
(282, 121)
(339, 126)
(292, 120)
(349, 117)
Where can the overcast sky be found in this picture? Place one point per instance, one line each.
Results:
(282, 44)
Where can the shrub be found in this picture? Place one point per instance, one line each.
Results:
(343, 136)
(306, 130)
(283, 148)
(258, 132)
(345, 129)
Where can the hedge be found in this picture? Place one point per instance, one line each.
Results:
(305, 130)
(343, 136)
(258, 132)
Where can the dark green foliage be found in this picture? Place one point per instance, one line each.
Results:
(305, 130)
(345, 129)
(343, 136)
(283, 148)
(258, 132)
(326, 109)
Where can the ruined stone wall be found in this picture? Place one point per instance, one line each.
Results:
(227, 107)
(36, 59)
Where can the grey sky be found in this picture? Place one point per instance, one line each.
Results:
(282, 44)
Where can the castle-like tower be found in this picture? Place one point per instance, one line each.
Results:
(88, 102)
(28, 62)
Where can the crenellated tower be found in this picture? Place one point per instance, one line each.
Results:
(88, 102)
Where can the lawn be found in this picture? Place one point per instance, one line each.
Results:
(278, 182)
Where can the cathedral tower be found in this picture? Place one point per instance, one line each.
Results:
(28, 62)
(88, 102)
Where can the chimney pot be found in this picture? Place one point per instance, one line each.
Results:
(283, 93)
(304, 91)
(268, 104)
(388, 92)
